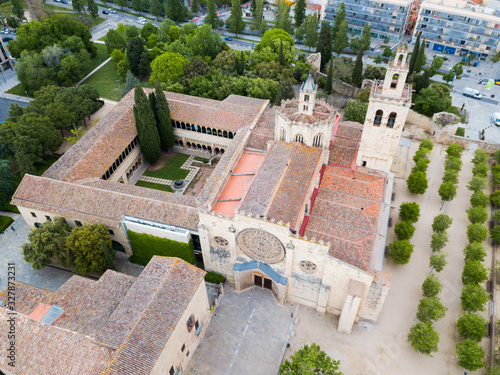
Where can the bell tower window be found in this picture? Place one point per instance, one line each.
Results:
(378, 117)
(391, 120)
(306, 98)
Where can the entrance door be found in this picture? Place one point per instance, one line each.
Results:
(257, 280)
(268, 284)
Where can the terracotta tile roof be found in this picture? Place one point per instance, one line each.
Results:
(346, 213)
(261, 191)
(264, 131)
(282, 183)
(144, 344)
(43, 349)
(322, 111)
(344, 147)
(233, 113)
(105, 202)
(116, 325)
(295, 185)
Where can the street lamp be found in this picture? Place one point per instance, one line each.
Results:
(119, 90)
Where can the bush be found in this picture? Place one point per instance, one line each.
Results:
(213, 277)
(495, 233)
(404, 230)
(417, 182)
(426, 144)
(450, 175)
(475, 251)
(495, 198)
(473, 298)
(472, 327)
(5, 221)
(477, 214)
(477, 232)
(477, 183)
(441, 223)
(454, 150)
(400, 251)
(437, 261)
(431, 286)
(480, 156)
(470, 355)
(474, 272)
(479, 199)
(147, 245)
(421, 165)
(438, 240)
(480, 170)
(447, 191)
(424, 338)
(409, 211)
(453, 163)
(430, 310)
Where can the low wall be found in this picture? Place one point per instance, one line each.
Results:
(466, 142)
(420, 121)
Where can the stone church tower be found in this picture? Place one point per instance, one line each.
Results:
(305, 120)
(390, 101)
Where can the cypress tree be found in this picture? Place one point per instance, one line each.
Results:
(357, 72)
(240, 64)
(152, 103)
(164, 121)
(325, 44)
(281, 58)
(421, 58)
(149, 139)
(329, 79)
(300, 13)
(414, 55)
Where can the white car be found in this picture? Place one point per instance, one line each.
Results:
(112, 11)
(141, 22)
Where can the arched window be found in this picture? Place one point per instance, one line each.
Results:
(400, 59)
(378, 117)
(394, 81)
(391, 120)
(204, 130)
(198, 128)
(216, 151)
(318, 140)
(282, 134)
(209, 149)
(214, 132)
(306, 98)
(224, 134)
(299, 138)
(198, 146)
(181, 143)
(183, 126)
(204, 148)
(188, 144)
(219, 133)
(209, 131)
(177, 124)
(188, 126)
(230, 135)
(221, 151)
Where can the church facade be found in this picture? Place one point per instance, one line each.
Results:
(286, 208)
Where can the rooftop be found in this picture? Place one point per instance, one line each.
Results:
(345, 144)
(104, 323)
(346, 213)
(263, 131)
(322, 111)
(283, 182)
(105, 202)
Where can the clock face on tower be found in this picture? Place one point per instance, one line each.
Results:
(261, 245)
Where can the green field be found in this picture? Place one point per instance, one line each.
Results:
(151, 185)
(5, 221)
(172, 169)
(102, 55)
(104, 81)
(54, 7)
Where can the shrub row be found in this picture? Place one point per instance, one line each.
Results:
(400, 250)
(471, 326)
(417, 180)
(145, 246)
(453, 164)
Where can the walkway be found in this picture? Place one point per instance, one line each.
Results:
(245, 336)
(193, 171)
(93, 71)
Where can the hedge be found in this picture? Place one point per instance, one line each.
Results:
(213, 277)
(145, 246)
(5, 221)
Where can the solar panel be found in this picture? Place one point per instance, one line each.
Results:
(51, 316)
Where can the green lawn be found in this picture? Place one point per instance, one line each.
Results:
(17, 90)
(11, 208)
(54, 7)
(460, 132)
(96, 22)
(203, 160)
(172, 169)
(104, 81)
(5, 221)
(151, 185)
(102, 55)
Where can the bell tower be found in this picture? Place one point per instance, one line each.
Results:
(388, 107)
(307, 96)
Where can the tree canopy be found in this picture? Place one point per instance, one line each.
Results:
(424, 338)
(310, 360)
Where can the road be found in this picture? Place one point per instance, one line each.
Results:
(4, 107)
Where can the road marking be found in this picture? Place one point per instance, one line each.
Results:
(228, 372)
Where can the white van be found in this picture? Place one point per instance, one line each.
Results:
(473, 93)
(495, 118)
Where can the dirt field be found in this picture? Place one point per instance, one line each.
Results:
(383, 348)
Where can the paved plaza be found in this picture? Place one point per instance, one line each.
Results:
(245, 336)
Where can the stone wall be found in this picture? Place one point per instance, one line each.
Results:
(420, 121)
(172, 354)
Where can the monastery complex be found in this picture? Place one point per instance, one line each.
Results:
(298, 202)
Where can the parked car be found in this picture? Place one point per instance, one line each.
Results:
(2, 31)
(497, 81)
(112, 11)
(7, 31)
(228, 38)
(472, 93)
(105, 11)
(141, 21)
(476, 63)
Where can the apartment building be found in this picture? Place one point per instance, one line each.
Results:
(5, 59)
(388, 18)
(460, 27)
